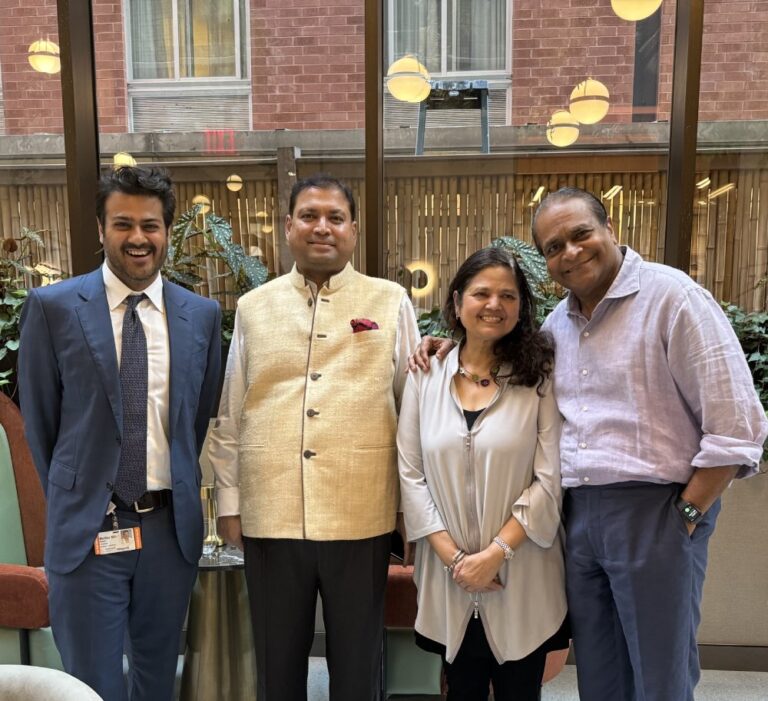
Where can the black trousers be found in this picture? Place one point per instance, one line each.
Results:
(475, 668)
(284, 577)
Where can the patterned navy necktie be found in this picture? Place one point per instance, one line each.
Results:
(131, 480)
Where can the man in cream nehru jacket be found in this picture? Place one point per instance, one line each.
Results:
(304, 449)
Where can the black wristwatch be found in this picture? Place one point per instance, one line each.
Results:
(690, 512)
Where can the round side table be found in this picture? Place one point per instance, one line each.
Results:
(219, 660)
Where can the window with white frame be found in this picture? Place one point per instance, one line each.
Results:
(453, 39)
(188, 64)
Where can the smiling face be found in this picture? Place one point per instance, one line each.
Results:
(582, 254)
(489, 306)
(134, 237)
(321, 233)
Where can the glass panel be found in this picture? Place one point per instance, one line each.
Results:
(476, 36)
(729, 248)
(238, 143)
(244, 34)
(446, 195)
(416, 31)
(34, 212)
(151, 38)
(207, 38)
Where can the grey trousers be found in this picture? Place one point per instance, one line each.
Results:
(634, 580)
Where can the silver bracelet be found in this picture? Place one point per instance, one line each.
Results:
(457, 558)
(508, 552)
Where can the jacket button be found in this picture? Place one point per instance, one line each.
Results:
(315, 376)
(110, 487)
(309, 302)
(312, 412)
(309, 454)
(118, 440)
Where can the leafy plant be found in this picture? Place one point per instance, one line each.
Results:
(432, 324)
(191, 245)
(752, 331)
(16, 270)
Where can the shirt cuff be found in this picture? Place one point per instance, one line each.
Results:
(721, 451)
(227, 501)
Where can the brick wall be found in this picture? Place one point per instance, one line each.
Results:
(557, 45)
(307, 64)
(111, 74)
(734, 61)
(31, 100)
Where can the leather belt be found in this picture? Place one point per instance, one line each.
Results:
(149, 501)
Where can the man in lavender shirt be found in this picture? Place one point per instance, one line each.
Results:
(660, 414)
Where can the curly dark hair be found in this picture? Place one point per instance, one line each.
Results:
(145, 181)
(528, 350)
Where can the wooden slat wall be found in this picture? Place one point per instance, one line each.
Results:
(42, 208)
(434, 221)
(436, 216)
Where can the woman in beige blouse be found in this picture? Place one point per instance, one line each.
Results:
(480, 488)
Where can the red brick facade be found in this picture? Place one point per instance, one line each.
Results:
(557, 45)
(31, 100)
(307, 62)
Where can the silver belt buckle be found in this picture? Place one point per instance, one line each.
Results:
(141, 511)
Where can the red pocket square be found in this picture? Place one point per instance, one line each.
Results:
(359, 325)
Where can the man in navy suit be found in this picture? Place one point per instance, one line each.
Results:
(119, 373)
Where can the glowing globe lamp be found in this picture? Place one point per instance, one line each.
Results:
(408, 79)
(234, 183)
(635, 10)
(589, 101)
(122, 160)
(562, 129)
(44, 56)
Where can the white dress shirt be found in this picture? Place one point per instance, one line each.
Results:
(151, 311)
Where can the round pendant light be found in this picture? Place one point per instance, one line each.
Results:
(408, 79)
(123, 159)
(203, 202)
(589, 101)
(562, 129)
(44, 56)
(234, 183)
(635, 10)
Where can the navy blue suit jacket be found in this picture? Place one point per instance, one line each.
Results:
(70, 398)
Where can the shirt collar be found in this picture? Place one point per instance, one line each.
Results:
(626, 282)
(117, 290)
(333, 284)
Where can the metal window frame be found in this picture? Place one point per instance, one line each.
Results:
(81, 135)
(177, 78)
(444, 73)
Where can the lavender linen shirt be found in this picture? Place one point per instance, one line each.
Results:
(654, 385)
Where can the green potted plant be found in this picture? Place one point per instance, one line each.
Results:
(17, 273)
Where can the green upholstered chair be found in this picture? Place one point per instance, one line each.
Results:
(407, 668)
(25, 635)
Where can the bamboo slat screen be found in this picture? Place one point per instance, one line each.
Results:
(42, 208)
(436, 216)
